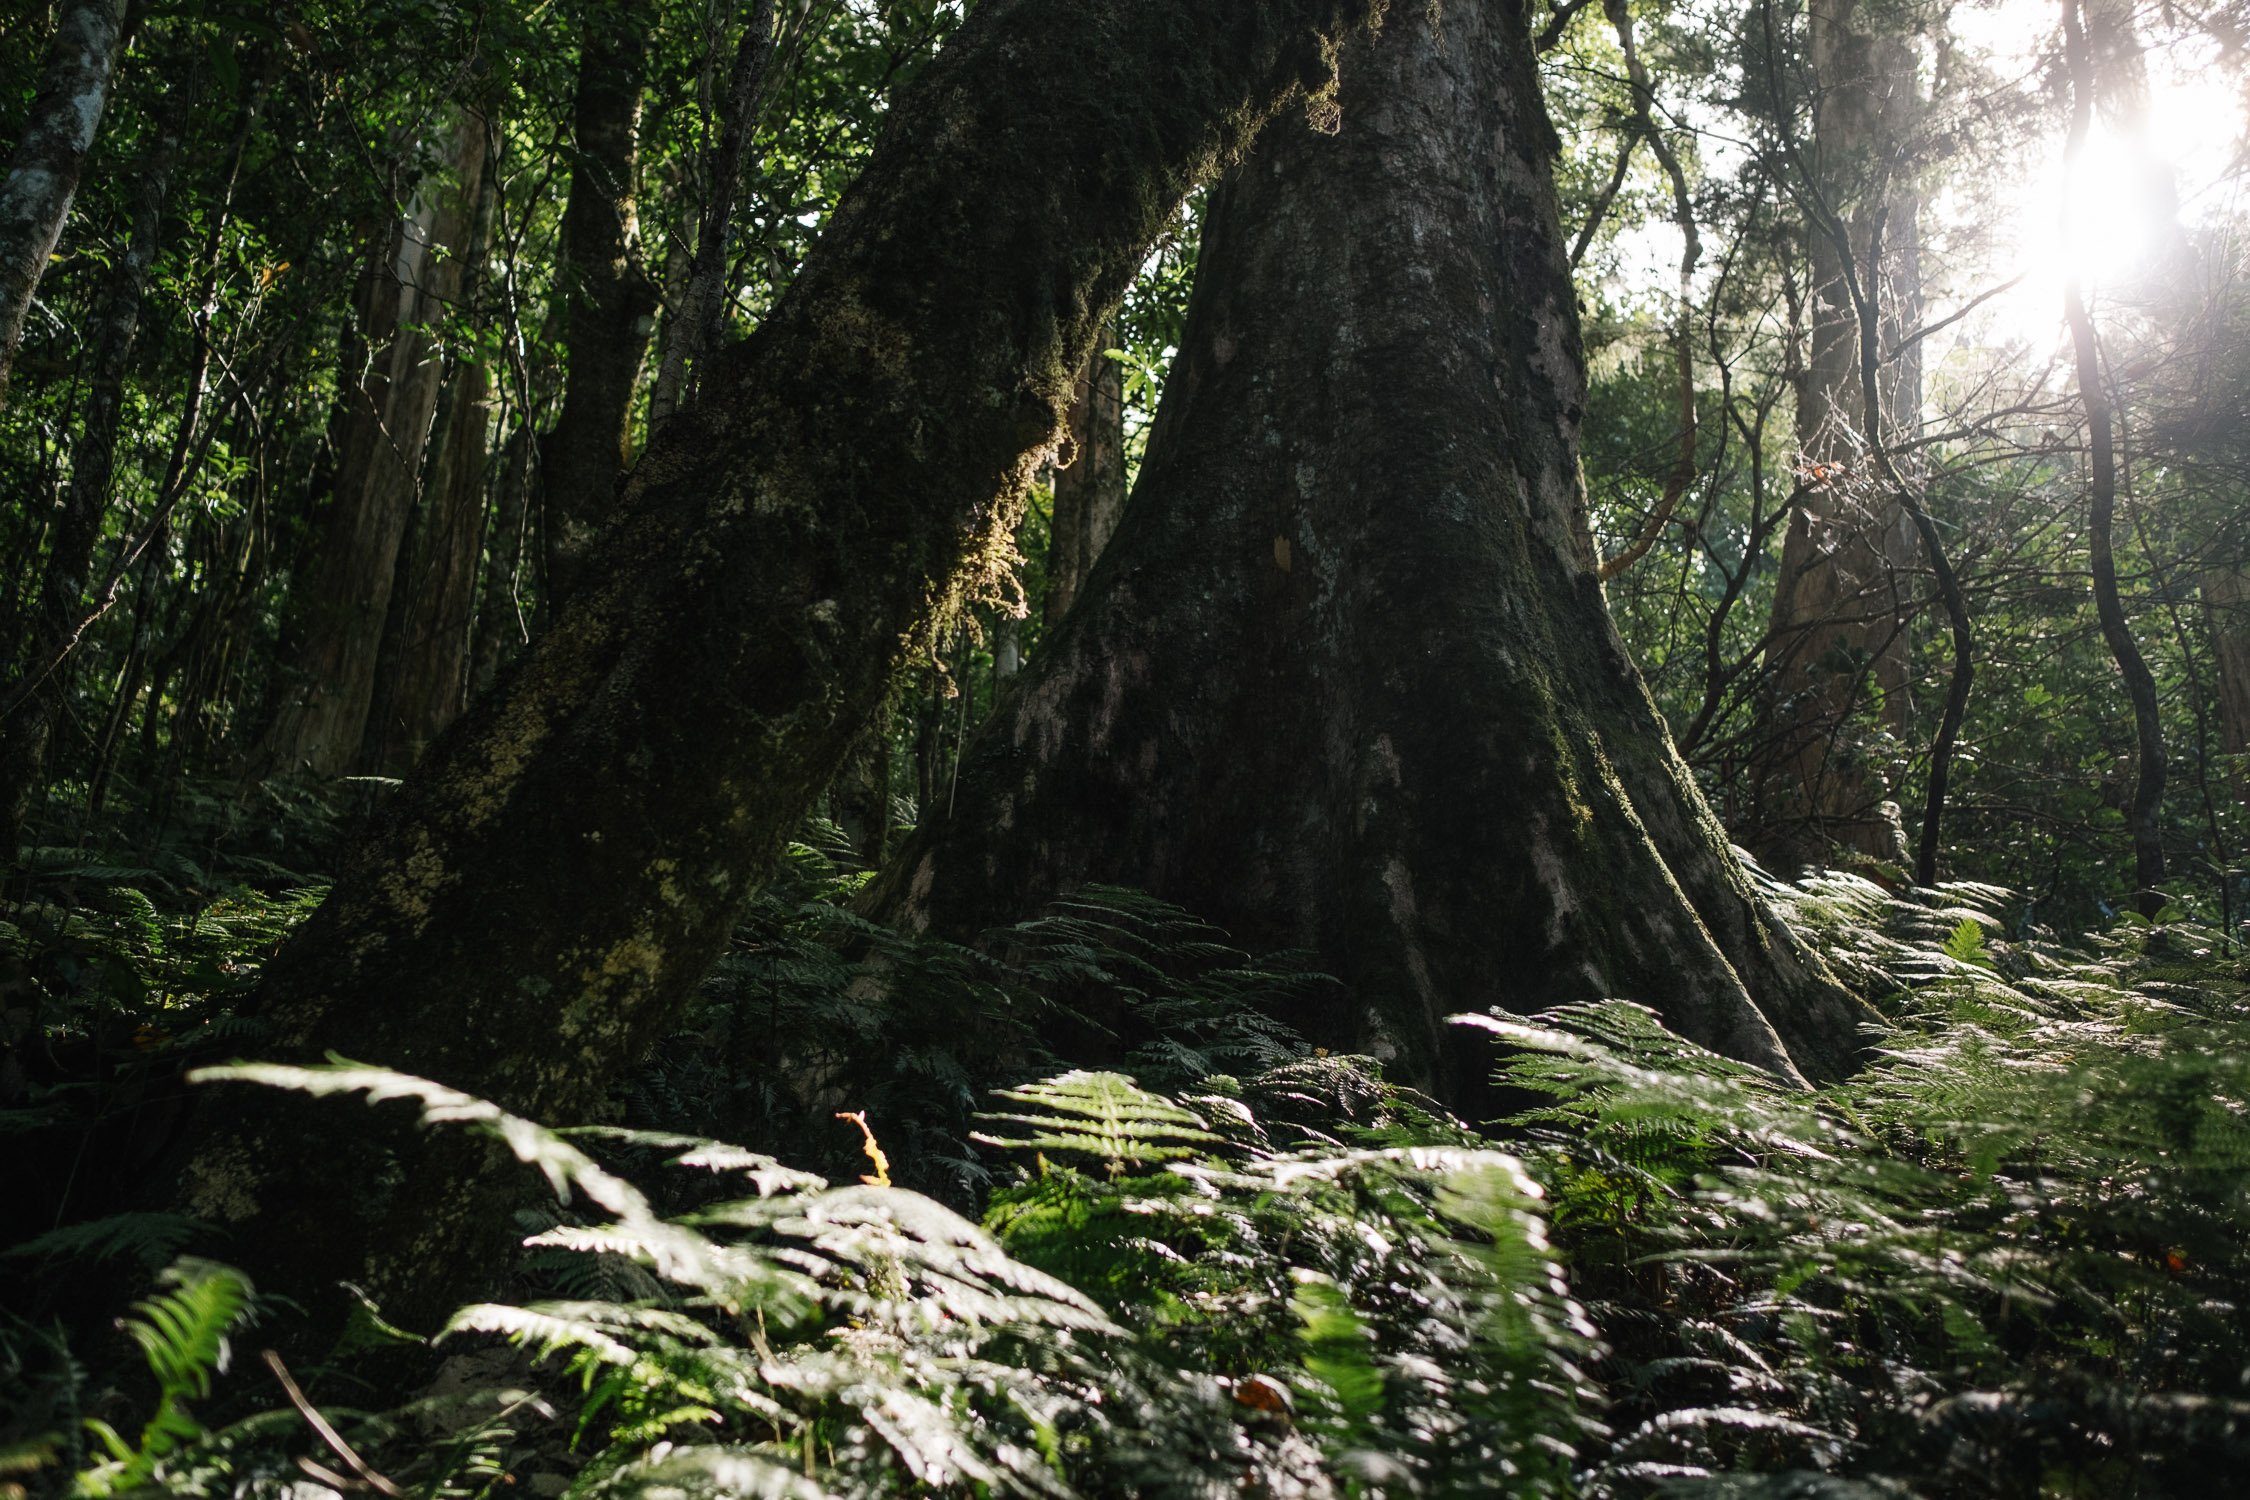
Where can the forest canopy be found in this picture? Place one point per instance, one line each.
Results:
(1053, 747)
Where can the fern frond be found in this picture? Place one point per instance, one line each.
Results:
(1103, 1115)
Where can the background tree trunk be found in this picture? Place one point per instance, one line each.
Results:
(1838, 638)
(2226, 608)
(27, 707)
(339, 600)
(612, 303)
(1344, 679)
(2101, 451)
(1090, 491)
(42, 178)
(499, 625)
(423, 682)
(701, 311)
(570, 857)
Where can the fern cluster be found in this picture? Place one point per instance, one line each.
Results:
(1298, 1315)
(2007, 1259)
(816, 1010)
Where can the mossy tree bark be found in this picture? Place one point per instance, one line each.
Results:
(570, 857)
(1837, 644)
(1345, 679)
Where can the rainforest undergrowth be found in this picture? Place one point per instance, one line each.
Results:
(2006, 1259)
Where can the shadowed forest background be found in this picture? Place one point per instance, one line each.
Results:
(1049, 747)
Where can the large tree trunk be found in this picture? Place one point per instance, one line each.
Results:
(1838, 639)
(34, 693)
(1344, 679)
(612, 303)
(338, 602)
(1090, 488)
(42, 178)
(571, 856)
(423, 681)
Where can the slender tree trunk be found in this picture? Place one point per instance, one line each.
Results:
(611, 302)
(338, 602)
(1682, 477)
(2226, 610)
(860, 797)
(2093, 393)
(423, 676)
(1089, 490)
(1346, 680)
(27, 708)
(499, 623)
(129, 675)
(43, 173)
(1838, 634)
(701, 312)
(570, 857)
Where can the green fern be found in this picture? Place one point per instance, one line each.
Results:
(182, 1333)
(1103, 1115)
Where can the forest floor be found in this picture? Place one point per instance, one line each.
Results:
(2008, 1258)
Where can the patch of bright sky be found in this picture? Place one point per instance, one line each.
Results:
(2003, 219)
(2110, 220)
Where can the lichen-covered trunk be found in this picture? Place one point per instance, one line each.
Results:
(570, 857)
(1344, 679)
(1090, 488)
(422, 682)
(33, 693)
(1837, 645)
(340, 598)
(611, 303)
(42, 177)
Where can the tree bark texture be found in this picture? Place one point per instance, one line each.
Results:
(338, 603)
(423, 682)
(1838, 637)
(1089, 491)
(28, 707)
(570, 857)
(611, 301)
(1344, 679)
(43, 173)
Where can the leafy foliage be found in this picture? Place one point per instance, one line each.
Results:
(2005, 1259)
(183, 1335)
